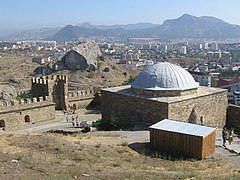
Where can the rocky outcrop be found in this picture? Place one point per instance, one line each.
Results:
(75, 61)
(82, 57)
(7, 93)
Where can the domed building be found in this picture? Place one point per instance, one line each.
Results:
(164, 79)
(163, 91)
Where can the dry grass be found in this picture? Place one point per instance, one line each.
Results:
(50, 156)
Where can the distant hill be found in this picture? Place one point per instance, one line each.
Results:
(75, 33)
(141, 25)
(33, 34)
(186, 26)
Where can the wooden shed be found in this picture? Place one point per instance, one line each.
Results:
(180, 138)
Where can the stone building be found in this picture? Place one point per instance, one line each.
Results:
(20, 113)
(49, 93)
(54, 87)
(163, 91)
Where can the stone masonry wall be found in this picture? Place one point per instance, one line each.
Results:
(81, 98)
(15, 118)
(168, 93)
(233, 117)
(129, 110)
(211, 108)
(80, 103)
(55, 87)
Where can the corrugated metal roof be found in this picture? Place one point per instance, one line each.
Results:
(182, 127)
(164, 76)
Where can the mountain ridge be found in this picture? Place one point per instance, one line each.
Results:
(185, 26)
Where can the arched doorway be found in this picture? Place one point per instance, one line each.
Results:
(2, 123)
(27, 119)
(74, 108)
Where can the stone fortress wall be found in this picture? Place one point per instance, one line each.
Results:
(210, 109)
(23, 112)
(81, 98)
(49, 93)
(56, 87)
(233, 117)
(130, 110)
(125, 108)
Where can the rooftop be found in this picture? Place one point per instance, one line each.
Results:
(164, 76)
(201, 91)
(183, 128)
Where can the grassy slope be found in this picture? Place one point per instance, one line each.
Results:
(51, 156)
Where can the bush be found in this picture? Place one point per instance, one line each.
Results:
(129, 81)
(106, 69)
(90, 74)
(101, 58)
(111, 124)
(24, 95)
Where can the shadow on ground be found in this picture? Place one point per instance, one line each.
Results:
(93, 112)
(144, 148)
(140, 147)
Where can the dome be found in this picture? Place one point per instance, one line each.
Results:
(164, 76)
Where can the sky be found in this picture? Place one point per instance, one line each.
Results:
(18, 15)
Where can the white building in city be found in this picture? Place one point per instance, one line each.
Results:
(236, 97)
(214, 47)
(204, 79)
(183, 50)
(205, 46)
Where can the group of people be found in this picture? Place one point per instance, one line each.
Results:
(227, 134)
(75, 120)
(76, 123)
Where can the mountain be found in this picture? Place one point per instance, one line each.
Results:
(86, 28)
(186, 26)
(141, 25)
(75, 33)
(33, 34)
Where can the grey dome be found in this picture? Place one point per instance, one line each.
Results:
(164, 76)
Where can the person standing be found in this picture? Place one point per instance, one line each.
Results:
(73, 122)
(224, 135)
(231, 134)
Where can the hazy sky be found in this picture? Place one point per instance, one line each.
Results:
(16, 15)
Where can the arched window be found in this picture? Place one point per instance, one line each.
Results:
(2, 123)
(27, 119)
(74, 106)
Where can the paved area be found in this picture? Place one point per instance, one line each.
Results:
(234, 147)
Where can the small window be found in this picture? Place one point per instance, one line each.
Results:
(2, 123)
(27, 119)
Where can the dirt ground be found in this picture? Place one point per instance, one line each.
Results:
(17, 69)
(33, 154)
(79, 156)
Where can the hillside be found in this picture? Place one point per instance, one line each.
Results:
(186, 26)
(32, 34)
(102, 156)
(86, 66)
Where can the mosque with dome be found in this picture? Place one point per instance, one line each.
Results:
(163, 91)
